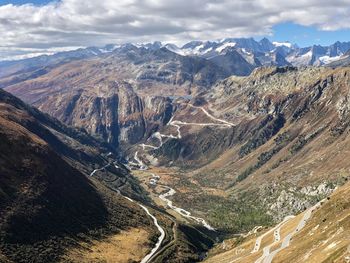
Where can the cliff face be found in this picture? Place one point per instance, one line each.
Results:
(112, 111)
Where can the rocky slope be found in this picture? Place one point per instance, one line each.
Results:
(145, 68)
(113, 111)
(233, 62)
(274, 115)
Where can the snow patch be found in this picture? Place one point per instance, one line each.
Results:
(222, 47)
(245, 51)
(175, 49)
(328, 59)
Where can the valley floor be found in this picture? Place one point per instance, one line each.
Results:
(161, 193)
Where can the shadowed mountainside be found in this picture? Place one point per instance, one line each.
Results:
(47, 203)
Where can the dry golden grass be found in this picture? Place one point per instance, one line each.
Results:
(233, 253)
(127, 246)
(326, 238)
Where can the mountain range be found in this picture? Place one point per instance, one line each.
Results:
(237, 144)
(244, 54)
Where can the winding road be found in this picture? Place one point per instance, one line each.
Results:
(160, 238)
(100, 169)
(268, 256)
(155, 221)
(276, 231)
(277, 237)
(160, 136)
(211, 116)
(141, 165)
(287, 239)
(153, 180)
(177, 124)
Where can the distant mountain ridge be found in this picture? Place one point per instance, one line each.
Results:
(266, 51)
(255, 53)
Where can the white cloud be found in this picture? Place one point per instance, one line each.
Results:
(16, 53)
(91, 22)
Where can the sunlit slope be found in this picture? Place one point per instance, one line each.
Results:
(324, 238)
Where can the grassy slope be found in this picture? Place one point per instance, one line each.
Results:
(325, 238)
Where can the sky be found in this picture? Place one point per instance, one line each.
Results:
(308, 35)
(33, 27)
(21, 2)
